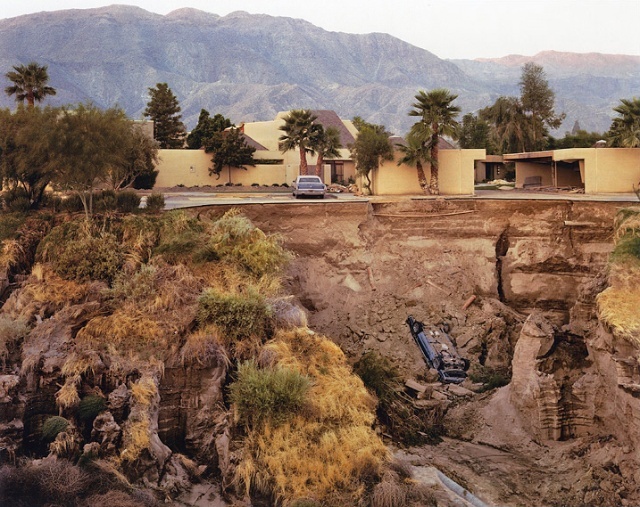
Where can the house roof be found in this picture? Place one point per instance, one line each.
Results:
(329, 118)
(253, 143)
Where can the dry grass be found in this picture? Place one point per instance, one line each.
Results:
(136, 438)
(627, 222)
(203, 347)
(47, 287)
(68, 397)
(11, 253)
(619, 307)
(124, 332)
(144, 391)
(11, 331)
(332, 447)
(80, 363)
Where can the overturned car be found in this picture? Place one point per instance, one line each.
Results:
(439, 352)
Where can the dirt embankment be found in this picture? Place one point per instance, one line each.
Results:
(548, 438)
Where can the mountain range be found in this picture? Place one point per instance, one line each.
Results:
(248, 67)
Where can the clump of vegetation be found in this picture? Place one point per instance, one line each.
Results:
(268, 395)
(66, 247)
(618, 304)
(237, 316)
(17, 200)
(11, 331)
(155, 203)
(127, 201)
(52, 426)
(90, 406)
(235, 239)
(326, 452)
(405, 422)
(490, 378)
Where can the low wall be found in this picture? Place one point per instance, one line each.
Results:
(455, 177)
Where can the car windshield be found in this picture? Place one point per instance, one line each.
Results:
(309, 180)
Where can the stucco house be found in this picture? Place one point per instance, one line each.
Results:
(598, 170)
(191, 167)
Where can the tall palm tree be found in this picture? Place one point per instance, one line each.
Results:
(415, 152)
(326, 143)
(297, 134)
(30, 83)
(625, 128)
(510, 125)
(438, 118)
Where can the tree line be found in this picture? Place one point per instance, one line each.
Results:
(82, 147)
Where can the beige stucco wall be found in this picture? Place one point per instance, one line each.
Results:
(525, 169)
(611, 170)
(455, 176)
(191, 168)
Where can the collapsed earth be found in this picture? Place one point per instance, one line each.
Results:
(261, 356)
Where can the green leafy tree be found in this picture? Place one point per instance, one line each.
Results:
(29, 83)
(206, 128)
(625, 128)
(370, 149)
(415, 153)
(163, 108)
(229, 149)
(297, 135)
(508, 124)
(26, 153)
(88, 143)
(326, 143)
(437, 119)
(475, 133)
(575, 139)
(138, 163)
(537, 101)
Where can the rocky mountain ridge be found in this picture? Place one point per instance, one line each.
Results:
(248, 67)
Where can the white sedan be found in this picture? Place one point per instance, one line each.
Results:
(309, 185)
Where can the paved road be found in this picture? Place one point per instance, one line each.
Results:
(188, 199)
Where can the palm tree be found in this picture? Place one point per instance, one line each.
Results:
(438, 118)
(326, 143)
(297, 134)
(625, 128)
(510, 125)
(30, 83)
(415, 153)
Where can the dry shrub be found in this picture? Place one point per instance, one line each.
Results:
(67, 396)
(66, 445)
(11, 331)
(11, 252)
(627, 222)
(136, 437)
(111, 499)
(327, 448)
(204, 348)
(235, 239)
(125, 332)
(81, 363)
(237, 316)
(619, 308)
(337, 394)
(389, 493)
(144, 391)
(46, 287)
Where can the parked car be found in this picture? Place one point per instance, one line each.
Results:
(309, 185)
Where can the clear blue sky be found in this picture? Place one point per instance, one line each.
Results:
(448, 28)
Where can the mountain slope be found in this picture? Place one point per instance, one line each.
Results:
(249, 67)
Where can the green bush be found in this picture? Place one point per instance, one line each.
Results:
(90, 406)
(127, 201)
(379, 375)
(72, 204)
(180, 237)
(237, 315)
(104, 200)
(17, 200)
(234, 238)
(52, 426)
(155, 202)
(66, 248)
(10, 223)
(491, 378)
(627, 247)
(268, 395)
(145, 181)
